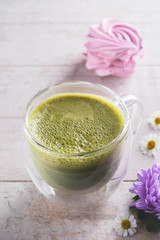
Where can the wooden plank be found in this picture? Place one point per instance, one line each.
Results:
(19, 84)
(77, 11)
(27, 215)
(59, 44)
(12, 165)
(12, 155)
(11, 131)
(41, 43)
(139, 161)
(17, 87)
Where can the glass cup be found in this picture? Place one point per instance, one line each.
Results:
(81, 186)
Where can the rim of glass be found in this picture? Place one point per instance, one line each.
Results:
(115, 141)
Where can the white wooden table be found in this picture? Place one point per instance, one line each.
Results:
(41, 43)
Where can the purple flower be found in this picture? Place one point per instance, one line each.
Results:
(148, 189)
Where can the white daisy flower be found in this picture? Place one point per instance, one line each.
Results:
(154, 120)
(150, 145)
(125, 225)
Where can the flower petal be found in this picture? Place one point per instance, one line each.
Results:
(131, 218)
(130, 231)
(148, 189)
(125, 234)
(120, 232)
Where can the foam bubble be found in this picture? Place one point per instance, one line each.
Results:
(73, 123)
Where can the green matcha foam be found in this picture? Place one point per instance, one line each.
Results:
(75, 123)
(70, 125)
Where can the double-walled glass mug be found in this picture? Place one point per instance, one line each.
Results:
(81, 186)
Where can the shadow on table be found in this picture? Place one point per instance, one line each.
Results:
(78, 72)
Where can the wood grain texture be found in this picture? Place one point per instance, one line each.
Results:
(20, 84)
(13, 165)
(12, 155)
(27, 214)
(74, 11)
(41, 43)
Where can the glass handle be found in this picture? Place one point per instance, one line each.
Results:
(135, 109)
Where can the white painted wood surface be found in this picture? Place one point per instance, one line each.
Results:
(41, 43)
(26, 214)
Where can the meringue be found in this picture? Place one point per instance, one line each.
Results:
(113, 48)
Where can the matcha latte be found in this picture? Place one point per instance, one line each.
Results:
(74, 130)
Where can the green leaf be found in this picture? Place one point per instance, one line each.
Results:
(136, 197)
(133, 208)
(153, 224)
(150, 219)
(144, 216)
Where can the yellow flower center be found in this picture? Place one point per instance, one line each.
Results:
(151, 144)
(157, 120)
(125, 224)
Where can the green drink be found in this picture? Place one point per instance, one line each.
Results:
(74, 130)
